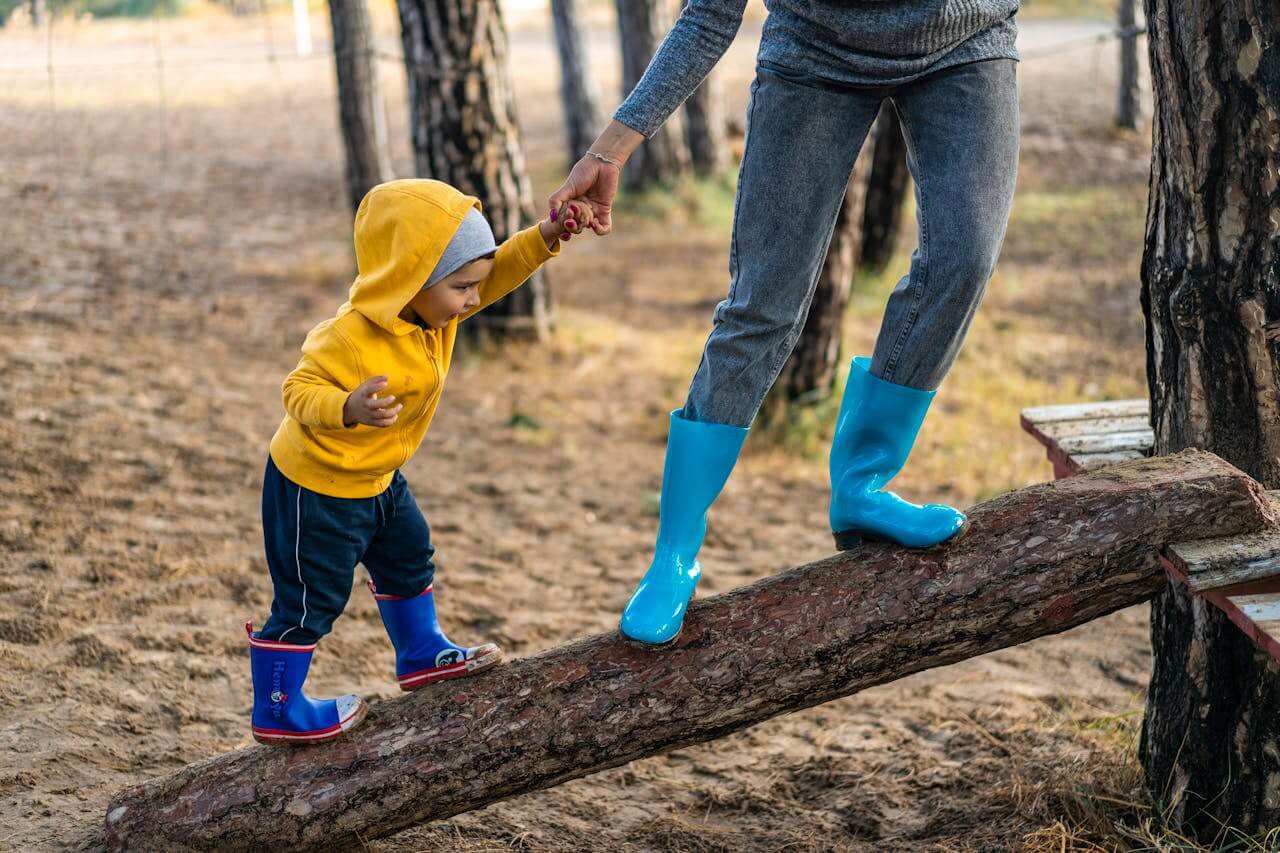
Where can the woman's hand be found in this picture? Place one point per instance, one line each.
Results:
(595, 181)
(577, 214)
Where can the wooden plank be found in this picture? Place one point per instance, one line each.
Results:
(1058, 430)
(1094, 461)
(1086, 411)
(1218, 563)
(1108, 442)
(1263, 614)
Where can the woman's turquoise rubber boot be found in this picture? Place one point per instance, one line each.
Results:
(700, 457)
(876, 429)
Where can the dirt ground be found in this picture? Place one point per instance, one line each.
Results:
(175, 222)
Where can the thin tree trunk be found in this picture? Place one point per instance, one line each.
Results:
(37, 9)
(705, 129)
(664, 157)
(1211, 296)
(578, 90)
(360, 109)
(1128, 111)
(886, 191)
(1037, 561)
(465, 132)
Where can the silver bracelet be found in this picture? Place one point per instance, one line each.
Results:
(609, 160)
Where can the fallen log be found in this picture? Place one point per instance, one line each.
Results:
(1036, 561)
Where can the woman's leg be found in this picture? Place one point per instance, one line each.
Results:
(802, 140)
(961, 127)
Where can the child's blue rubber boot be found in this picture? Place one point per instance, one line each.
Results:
(423, 653)
(282, 713)
(700, 457)
(875, 432)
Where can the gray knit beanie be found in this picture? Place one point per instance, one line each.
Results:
(473, 239)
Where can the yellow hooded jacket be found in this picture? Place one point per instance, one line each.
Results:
(401, 230)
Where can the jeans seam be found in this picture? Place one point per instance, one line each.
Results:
(737, 203)
(797, 324)
(737, 195)
(918, 290)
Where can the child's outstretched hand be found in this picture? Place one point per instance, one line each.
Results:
(364, 406)
(571, 219)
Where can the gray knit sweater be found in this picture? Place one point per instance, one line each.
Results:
(857, 42)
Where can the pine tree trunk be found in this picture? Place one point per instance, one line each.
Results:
(886, 190)
(578, 90)
(809, 374)
(464, 131)
(664, 157)
(360, 109)
(1211, 295)
(705, 129)
(1127, 109)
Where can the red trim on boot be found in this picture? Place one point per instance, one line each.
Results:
(316, 736)
(272, 644)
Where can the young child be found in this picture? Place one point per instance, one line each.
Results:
(358, 405)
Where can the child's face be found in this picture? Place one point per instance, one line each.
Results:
(453, 295)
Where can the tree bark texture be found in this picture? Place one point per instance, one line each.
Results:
(1128, 110)
(465, 132)
(886, 191)
(664, 157)
(705, 130)
(578, 90)
(1211, 296)
(361, 112)
(1036, 561)
(809, 373)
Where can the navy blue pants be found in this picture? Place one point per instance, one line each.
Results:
(314, 542)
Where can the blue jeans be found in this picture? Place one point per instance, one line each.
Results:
(314, 542)
(803, 135)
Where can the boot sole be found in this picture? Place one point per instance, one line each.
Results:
(310, 738)
(650, 647)
(847, 540)
(458, 670)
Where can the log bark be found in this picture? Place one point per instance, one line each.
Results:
(1211, 296)
(1036, 561)
(361, 112)
(465, 132)
(663, 158)
(578, 91)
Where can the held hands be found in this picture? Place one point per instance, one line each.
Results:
(570, 219)
(364, 406)
(595, 182)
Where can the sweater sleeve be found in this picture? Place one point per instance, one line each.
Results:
(314, 394)
(700, 36)
(517, 258)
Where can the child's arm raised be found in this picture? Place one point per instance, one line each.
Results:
(520, 255)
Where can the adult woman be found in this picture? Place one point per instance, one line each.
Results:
(823, 69)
